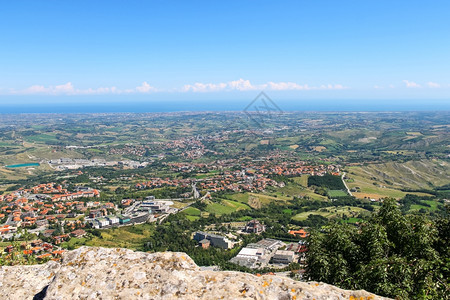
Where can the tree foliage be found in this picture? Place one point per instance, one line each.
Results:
(329, 181)
(393, 255)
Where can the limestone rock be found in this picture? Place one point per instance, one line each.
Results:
(23, 282)
(101, 273)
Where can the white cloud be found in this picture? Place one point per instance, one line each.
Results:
(98, 91)
(246, 85)
(50, 90)
(333, 87)
(198, 87)
(411, 84)
(204, 87)
(380, 87)
(433, 85)
(283, 86)
(430, 84)
(69, 89)
(241, 85)
(145, 88)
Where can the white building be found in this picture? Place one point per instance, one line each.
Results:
(113, 220)
(102, 222)
(283, 257)
(251, 253)
(251, 257)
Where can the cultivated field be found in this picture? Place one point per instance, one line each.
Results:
(332, 212)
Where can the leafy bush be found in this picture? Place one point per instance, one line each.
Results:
(404, 257)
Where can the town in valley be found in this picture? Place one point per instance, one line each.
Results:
(232, 194)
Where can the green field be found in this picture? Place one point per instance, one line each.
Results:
(240, 197)
(433, 206)
(257, 200)
(43, 138)
(298, 189)
(179, 204)
(331, 212)
(336, 193)
(74, 243)
(225, 207)
(301, 180)
(192, 218)
(131, 237)
(192, 211)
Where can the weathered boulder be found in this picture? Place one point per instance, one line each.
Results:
(101, 273)
(23, 282)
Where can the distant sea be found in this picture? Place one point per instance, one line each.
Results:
(216, 105)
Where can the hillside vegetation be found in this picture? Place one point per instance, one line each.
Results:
(392, 254)
(423, 174)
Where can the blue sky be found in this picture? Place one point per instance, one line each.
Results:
(209, 50)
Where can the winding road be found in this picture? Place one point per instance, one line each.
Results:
(348, 190)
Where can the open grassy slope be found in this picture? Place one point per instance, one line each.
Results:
(131, 237)
(423, 174)
(388, 179)
(331, 212)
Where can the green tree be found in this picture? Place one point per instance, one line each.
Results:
(392, 254)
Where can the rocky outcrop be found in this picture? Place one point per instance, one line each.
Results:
(24, 282)
(101, 273)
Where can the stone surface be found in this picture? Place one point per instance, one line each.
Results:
(23, 282)
(101, 273)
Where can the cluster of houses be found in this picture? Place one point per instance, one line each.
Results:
(58, 239)
(40, 206)
(73, 164)
(272, 165)
(28, 210)
(5, 229)
(236, 181)
(45, 250)
(101, 222)
(80, 194)
(254, 176)
(136, 212)
(136, 150)
(186, 142)
(163, 182)
(43, 205)
(293, 168)
(37, 248)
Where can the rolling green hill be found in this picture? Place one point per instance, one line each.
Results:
(389, 179)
